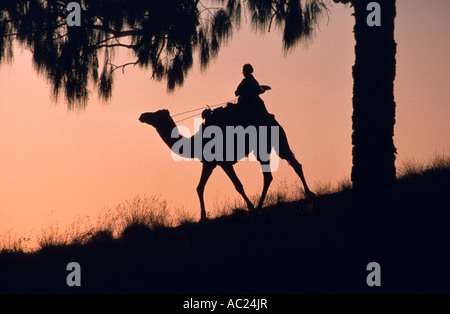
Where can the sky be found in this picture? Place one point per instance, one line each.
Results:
(58, 166)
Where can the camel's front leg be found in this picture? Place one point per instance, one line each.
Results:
(229, 170)
(207, 169)
(267, 180)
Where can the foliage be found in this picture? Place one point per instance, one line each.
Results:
(160, 35)
(297, 18)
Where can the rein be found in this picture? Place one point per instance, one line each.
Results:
(201, 108)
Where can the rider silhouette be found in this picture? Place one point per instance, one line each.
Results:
(248, 90)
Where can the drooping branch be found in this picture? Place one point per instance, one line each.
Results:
(116, 33)
(133, 47)
(122, 66)
(163, 36)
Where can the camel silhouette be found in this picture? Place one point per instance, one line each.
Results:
(167, 129)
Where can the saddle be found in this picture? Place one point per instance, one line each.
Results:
(222, 116)
(233, 115)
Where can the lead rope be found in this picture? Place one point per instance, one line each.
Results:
(201, 108)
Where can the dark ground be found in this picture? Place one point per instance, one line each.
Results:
(321, 245)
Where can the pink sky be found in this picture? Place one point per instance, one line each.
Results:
(58, 165)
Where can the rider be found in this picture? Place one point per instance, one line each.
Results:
(248, 92)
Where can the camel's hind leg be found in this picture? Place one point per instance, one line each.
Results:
(229, 170)
(286, 153)
(267, 180)
(293, 162)
(207, 169)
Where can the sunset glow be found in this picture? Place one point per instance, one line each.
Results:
(58, 166)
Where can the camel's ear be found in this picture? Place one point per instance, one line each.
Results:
(206, 113)
(165, 111)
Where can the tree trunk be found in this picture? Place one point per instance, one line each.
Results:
(373, 99)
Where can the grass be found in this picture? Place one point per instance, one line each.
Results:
(293, 245)
(147, 212)
(413, 167)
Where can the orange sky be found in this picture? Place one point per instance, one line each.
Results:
(58, 165)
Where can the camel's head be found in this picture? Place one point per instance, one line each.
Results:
(155, 118)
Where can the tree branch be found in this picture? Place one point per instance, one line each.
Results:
(115, 67)
(116, 33)
(134, 47)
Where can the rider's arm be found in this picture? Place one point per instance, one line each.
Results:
(240, 88)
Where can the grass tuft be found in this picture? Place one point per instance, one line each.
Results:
(141, 215)
(294, 245)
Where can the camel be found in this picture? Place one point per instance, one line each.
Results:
(167, 129)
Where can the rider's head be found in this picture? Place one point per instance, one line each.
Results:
(247, 69)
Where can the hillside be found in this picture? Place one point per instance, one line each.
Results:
(321, 245)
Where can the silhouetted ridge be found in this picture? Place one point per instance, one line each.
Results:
(314, 245)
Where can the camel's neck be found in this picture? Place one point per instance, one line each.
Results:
(165, 131)
(177, 143)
